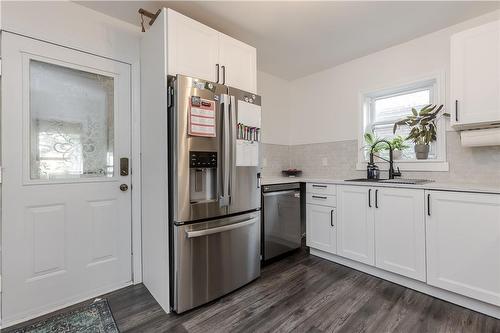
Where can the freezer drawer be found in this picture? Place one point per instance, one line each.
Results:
(214, 258)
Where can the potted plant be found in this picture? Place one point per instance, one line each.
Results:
(423, 128)
(398, 144)
(373, 144)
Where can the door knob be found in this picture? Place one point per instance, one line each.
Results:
(124, 187)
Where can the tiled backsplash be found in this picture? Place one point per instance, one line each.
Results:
(338, 160)
(274, 158)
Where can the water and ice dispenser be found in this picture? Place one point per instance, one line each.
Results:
(202, 176)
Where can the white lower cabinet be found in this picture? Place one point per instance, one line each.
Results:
(383, 227)
(400, 231)
(463, 244)
(449, 240)
(355, 231)
(321, 228)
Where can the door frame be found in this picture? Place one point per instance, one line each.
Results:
(135, 154)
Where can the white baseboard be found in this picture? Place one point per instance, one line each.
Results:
(466, 302)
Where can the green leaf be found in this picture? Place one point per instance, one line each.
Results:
(414, 111)
(426, 110)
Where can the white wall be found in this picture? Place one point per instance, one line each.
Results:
(326, 104)
(276, 114)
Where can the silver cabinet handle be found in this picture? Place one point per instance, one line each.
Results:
(206, 232)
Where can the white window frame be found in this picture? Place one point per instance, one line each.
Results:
(438, 97)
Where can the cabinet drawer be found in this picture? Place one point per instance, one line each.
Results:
(321, 199)
(319, 188)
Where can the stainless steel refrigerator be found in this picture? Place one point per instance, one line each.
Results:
(214, 191)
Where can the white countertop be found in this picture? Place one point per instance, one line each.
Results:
(459, 187)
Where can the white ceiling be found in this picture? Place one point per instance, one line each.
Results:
(295, 39)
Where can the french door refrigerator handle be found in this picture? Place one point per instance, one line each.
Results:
(232, 111)
(224, 198)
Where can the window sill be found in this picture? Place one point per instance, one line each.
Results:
(413, 165)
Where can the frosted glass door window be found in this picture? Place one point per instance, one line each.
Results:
(71, 113)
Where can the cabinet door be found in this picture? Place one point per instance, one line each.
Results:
(400, 231)
(321, 228)
(463, 244)
(355, 223)
(192, 48)
(240, 63)
(475, 75)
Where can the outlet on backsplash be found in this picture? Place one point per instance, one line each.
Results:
(264, 162)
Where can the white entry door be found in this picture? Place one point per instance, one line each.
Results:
(66, 218)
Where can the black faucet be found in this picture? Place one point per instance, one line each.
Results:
(392, 172)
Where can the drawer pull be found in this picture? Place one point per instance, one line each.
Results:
(320, 186)
(319, 197)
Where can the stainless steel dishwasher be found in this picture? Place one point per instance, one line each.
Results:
(281, 226)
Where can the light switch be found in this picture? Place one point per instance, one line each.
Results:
(324, 161)
(264, 162)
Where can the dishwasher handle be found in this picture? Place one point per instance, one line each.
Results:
(295, 193)
(216, 230)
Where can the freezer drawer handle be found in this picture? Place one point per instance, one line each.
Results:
(200, 233)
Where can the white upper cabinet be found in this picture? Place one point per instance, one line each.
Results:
(239, 62)
(475, 77)
(463, 244)
(199, 51)
(355, 224)
(192, 48)
(400, 231)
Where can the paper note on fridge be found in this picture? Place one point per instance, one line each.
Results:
(249, 114)
(247, 153)
(202, 118)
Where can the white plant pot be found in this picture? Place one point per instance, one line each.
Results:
(397, 154)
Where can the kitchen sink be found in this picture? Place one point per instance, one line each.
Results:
(393, 181)
(365, 180)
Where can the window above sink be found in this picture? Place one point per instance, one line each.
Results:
(380, 108)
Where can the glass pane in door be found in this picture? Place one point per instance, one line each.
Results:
(71, 113)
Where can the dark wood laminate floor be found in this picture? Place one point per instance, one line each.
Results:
(304, 293)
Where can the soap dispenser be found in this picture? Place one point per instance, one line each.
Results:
(372, 171)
